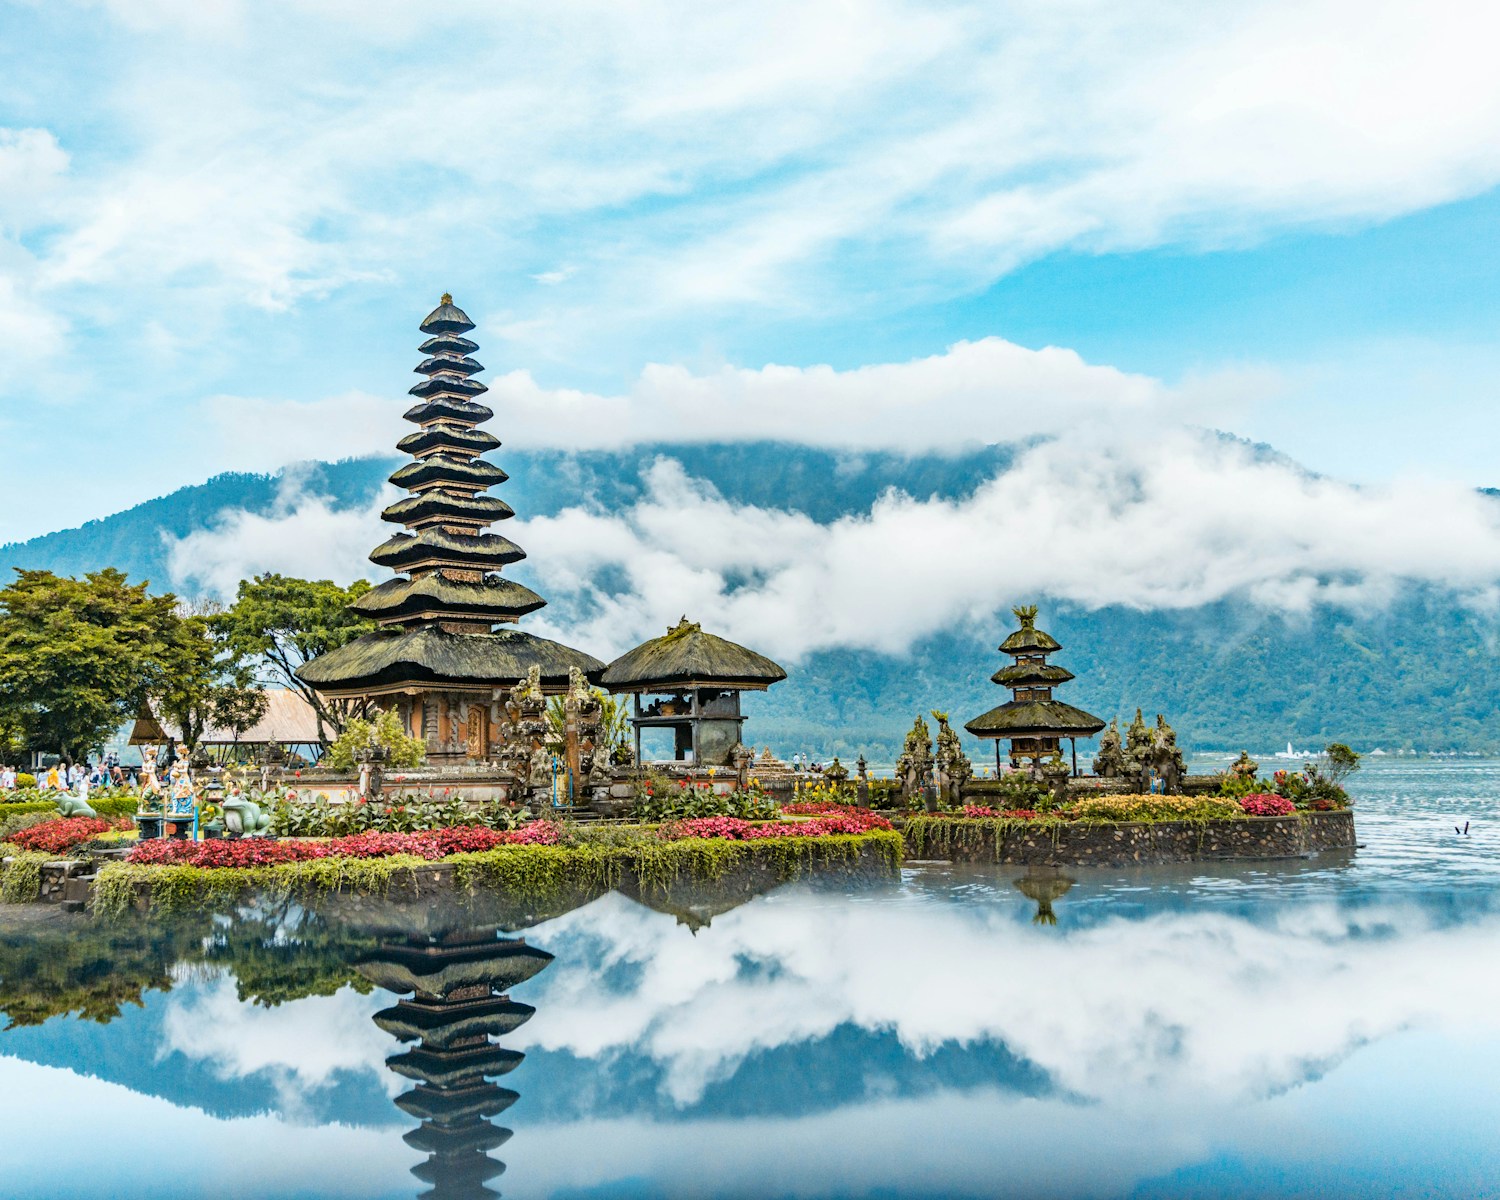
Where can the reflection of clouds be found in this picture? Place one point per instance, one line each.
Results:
(301, 1046)
(139, 1146)
(1178, 1005)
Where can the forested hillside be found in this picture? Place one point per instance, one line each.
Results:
(1422, 674)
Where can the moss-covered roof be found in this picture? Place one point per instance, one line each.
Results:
(432, 547)
(447, 317)
(685, 656)
(448, 468)
(444, 436)
(1025, 674)
(448, 408)
(435, 506)
(448, 343)
(1035, 718)
(394, 656)
(436, 596)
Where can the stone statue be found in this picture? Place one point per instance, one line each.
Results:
(740, 757)
(836, 773)
(951, 766)
(70, 804)
(862, 782)
(150, 785)
(1136, 766)
(1166, 757)
(1244, 767)
(1056, 774)
(914, 767)
(243, 817)
(1109, 760)
(1043, 886)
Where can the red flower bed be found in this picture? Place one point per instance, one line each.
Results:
(264, 852)
(1267, 805)
(53, 837)
(827, 808)
(1014, 814)
(738, 829)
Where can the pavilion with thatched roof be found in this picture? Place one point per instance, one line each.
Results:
(1032, 721)
(696, 679)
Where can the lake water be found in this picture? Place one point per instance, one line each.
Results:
(1323, 1028)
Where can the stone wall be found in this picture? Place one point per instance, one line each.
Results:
(1128, 843)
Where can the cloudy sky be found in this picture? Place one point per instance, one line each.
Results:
(874, 225)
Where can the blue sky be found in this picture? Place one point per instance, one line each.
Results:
(221, 221)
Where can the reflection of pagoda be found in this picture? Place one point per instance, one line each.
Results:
(458, 1003)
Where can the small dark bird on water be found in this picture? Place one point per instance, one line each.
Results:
(1464, 832)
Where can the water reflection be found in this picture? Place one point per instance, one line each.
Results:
(1044, 885)
(1320, 1027)
(458, 984)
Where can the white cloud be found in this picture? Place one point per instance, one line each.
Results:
(1174, 521)
(304, 534)
(734, 155)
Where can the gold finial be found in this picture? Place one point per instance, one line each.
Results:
(447, 298)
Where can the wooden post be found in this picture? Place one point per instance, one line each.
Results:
(637, 724)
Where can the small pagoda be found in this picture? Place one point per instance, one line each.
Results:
(1033, 722)
(695, 679)
(458, 985)
(446, 649)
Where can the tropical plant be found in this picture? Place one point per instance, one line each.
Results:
(384, 732)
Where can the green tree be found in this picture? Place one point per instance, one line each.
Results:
(284, 622)
(78, 657)
(209, 683)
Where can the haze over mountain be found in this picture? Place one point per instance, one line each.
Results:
(1408, 662)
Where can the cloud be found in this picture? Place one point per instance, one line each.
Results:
(1170, 522)
(786, 156)
(974, 393)
(303, 534)
(1175, 520)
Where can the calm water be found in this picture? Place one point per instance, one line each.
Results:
(1316, 1029)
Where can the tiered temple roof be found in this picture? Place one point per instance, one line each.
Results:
(1032, 720)
(438, 617)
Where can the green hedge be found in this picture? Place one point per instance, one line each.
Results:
(105, 806)
(534, 872)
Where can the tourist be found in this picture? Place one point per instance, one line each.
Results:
(52, 781)
(76, 775)
(8, 779)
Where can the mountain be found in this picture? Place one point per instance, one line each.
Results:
(1419, 675)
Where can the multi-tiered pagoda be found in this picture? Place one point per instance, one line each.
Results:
(458, 984)
(446, 648)
(1032, 720)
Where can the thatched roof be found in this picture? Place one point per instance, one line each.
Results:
(289, 721)
(438, 546)
(447, 317)
(1029, 639)
(391, 657)
(450, 408)
(438, 596)
(447, 437)
(1035, 718)
(460, 364)
(433, 506)
(443, 468)
(448, 385)
(687, 657)
(1024, 674)
(438, 970)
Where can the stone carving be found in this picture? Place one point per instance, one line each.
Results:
(862, 782)
(951, 766)
(150, 784)
(740, 757)
(914, 767)
(70, 804)
(1109, 761)
(243, 817)
(1152, 759)
(836, 773)
(1244, 767)
(1166, 757)
(1056, 774)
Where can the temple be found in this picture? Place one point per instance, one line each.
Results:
(447, 647)
(696, 679)
(1032, 720)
